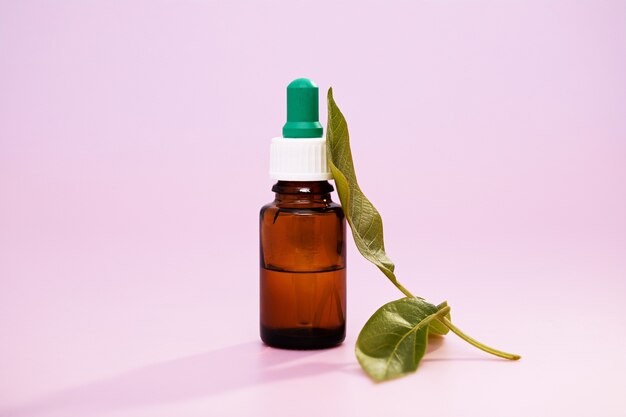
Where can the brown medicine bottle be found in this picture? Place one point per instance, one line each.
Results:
(302, 236)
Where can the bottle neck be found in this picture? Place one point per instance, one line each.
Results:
(303, 192)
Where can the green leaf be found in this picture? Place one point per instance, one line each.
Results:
(364, 220)
(393, 341)
(362, 216)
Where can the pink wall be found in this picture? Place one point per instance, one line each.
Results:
(134, 140)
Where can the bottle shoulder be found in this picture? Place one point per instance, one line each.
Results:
(295, 208)
(302, 197)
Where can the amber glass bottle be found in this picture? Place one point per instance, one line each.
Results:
(303, 267)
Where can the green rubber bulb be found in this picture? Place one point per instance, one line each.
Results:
(302, 110)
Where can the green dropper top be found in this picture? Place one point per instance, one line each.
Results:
(302, 110)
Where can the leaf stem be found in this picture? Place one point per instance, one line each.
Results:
(403, 290)
(474, 342)
(440, 314)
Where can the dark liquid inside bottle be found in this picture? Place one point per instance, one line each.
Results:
(303, 261)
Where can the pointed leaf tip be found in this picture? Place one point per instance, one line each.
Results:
(363, 218)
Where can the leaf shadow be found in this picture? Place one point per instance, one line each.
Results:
(434, 343)
(202, 375)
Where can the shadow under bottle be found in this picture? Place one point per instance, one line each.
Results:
(303, 267)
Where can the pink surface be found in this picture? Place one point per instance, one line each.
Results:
(133, 155)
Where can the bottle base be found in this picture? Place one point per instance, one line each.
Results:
(303, 338)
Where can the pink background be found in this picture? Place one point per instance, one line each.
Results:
(134, 139)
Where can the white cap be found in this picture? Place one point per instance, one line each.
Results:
(299, 159)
